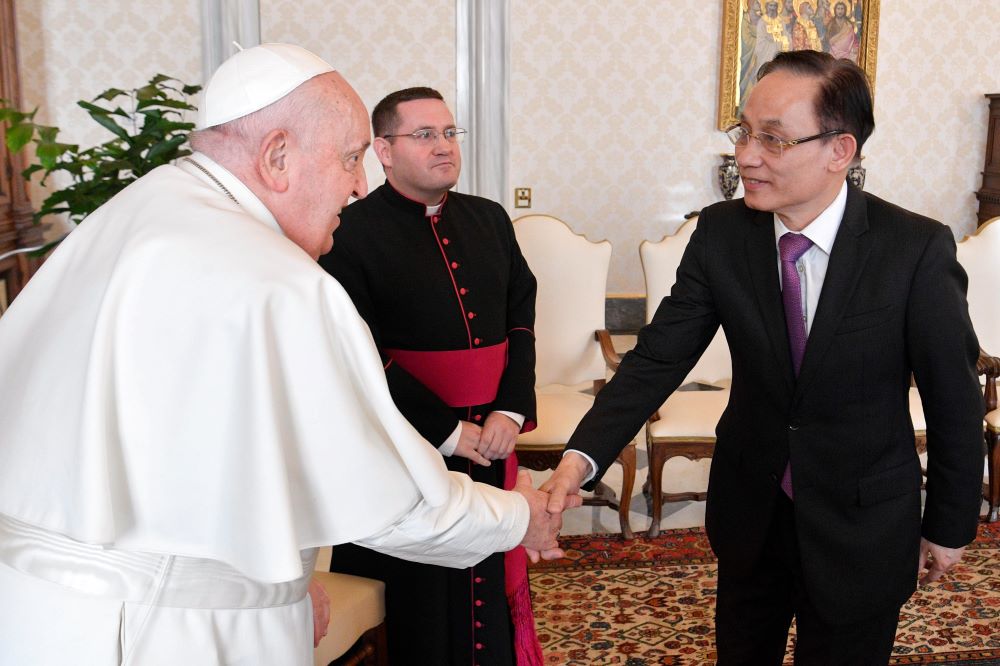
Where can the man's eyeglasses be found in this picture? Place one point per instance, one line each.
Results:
(429, 136)
(740, 136)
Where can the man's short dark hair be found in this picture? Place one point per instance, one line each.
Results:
(385, 120)
(844, 100)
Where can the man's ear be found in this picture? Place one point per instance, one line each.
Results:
(383, 151)
(844, 147)
(274, 160)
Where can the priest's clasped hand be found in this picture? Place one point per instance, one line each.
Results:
(540, 541)
(499, 435)
(468, 444)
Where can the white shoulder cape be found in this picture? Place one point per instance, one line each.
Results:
(180, 378)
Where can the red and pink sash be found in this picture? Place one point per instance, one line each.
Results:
(466, 378)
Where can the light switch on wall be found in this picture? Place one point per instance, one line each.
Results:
(522, 197)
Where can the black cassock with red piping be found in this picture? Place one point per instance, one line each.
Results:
(451, 306)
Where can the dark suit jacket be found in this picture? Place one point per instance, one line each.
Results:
(893, 302)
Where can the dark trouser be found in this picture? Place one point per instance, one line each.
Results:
(753, 613)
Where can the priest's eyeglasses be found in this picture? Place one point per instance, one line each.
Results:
(740, 136)
(429, 136)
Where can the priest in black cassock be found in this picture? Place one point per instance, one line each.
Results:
(450, 301)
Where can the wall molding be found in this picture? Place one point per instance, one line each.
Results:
(222, 23)
(482, 50)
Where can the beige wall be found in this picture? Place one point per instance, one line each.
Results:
(612, 117)
(378, 45)
(613, 102)
(70, 50)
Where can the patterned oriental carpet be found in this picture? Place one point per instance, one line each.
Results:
(651, 601)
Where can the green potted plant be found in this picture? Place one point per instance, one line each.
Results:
(149, 130)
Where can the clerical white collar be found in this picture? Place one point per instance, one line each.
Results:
(217, 176)
(435, 209)
(823, 230)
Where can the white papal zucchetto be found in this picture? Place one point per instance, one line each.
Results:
(254, 78)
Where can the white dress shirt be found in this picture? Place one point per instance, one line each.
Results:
(812, 264)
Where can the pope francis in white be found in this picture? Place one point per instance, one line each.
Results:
(171, 379)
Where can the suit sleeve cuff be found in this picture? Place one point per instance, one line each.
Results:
(590, 461)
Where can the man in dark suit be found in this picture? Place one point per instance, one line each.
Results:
(830, 299)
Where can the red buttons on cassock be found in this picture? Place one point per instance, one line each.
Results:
(476, 341)
(454, 264)
(479, 602)
(463, 291)
(479, 579)
(479, 646)
(477, 417)
(435, 219)
(445, 241)
(472, 315)
(479, 625)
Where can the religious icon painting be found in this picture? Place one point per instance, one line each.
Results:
(754, 31)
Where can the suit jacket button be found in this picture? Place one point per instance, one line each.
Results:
(793, 426)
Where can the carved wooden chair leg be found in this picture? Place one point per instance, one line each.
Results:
(657, 458)
(993, 467)
(627, 460)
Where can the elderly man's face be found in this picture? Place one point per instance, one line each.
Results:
(797, 184)
(330, 169)
(421, 171)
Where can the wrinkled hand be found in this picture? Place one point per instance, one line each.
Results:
(936, 560)
(499, 436)
(321, 611)
(468, 444)
(540, 541)
(564, 484)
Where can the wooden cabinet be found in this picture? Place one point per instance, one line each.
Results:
(16, 226)
(989, 193)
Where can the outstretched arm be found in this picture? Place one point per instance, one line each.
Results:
(476, 521)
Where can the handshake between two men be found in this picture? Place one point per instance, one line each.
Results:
(495, 440)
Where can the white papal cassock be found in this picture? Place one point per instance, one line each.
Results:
(189, 407)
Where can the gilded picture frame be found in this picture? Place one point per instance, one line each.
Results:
(755, 30)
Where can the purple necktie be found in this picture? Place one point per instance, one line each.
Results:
(791, 247)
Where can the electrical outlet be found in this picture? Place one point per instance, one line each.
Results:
(522, 197)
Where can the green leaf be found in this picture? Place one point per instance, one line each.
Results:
(110, 94)
(47, 134)
(164, 147)
(146, 92)
(93, 108)
(18, 136)
(26, 174)
(166, 103)
(110, 125)
(48, 153)
(11, 116)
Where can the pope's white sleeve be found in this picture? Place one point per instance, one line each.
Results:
(477, 520)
